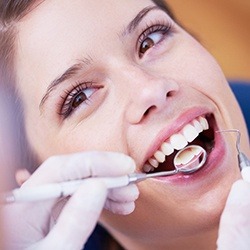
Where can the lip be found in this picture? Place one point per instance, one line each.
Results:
(215, 158)
(185, 118)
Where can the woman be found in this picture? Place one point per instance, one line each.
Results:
(123, 76)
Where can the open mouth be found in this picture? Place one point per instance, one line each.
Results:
(199, 131)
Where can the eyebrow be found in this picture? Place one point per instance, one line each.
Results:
(138, 18)
(68, 74)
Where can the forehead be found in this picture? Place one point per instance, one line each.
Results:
(77, 17)
(66, 29)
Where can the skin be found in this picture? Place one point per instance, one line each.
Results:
(132, 99)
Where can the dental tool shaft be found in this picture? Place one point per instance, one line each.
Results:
(63, 189)
(136, 177)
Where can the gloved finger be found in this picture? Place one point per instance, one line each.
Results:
(70, 167)
(21, 176)
(118, 195)
(78, 218)
(25, 223)
(124, 194)
(81, 165)
(119, 208)
(234, 230)
(57, 209)
(238, 199)
(246, 174)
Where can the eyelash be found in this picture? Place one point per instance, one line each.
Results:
(164, 27)
(66, 107)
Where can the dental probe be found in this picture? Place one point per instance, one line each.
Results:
(243, 160)
(63, 189)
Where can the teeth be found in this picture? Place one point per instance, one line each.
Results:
(153, 162)
(190, 132)
(148, 168)
(159, 156)
(197, 126)
(167, 148)
(204, 123)
(177, 142)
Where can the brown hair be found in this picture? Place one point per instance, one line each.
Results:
(11, 11)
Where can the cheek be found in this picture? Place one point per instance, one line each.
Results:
(47, 139)
(190, 63)
(89, 139)
(103, 130)
(201, 70)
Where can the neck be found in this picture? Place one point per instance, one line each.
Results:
(205, 241)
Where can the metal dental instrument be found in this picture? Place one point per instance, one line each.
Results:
(243, 160)
(63, 189)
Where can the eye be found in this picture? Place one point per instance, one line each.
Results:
(79, 95)
(150, 41)
(151, 37)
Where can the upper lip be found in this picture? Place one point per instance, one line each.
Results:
(173, 128)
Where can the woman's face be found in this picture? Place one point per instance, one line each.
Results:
(122, 76)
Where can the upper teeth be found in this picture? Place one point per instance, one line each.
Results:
(177, 141)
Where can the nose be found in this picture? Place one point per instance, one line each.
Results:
(148, 95)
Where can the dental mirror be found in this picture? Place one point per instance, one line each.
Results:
(190, 159)
(187, 161)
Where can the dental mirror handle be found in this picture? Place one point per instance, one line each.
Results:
(63, 189)
(57, 190)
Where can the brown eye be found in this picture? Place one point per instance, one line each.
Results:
(152, 37)
(146, 44)
(77, 100)
(80, 95)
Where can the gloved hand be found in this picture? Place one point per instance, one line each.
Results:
(28, 224)
(234, 231)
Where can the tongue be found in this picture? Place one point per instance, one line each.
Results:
(188, 159)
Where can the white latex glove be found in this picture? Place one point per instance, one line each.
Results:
(28, 224)
(234, 231)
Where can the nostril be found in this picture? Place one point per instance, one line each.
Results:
(149, 110)
(170, 94)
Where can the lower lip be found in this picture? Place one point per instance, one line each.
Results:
(215, 159)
